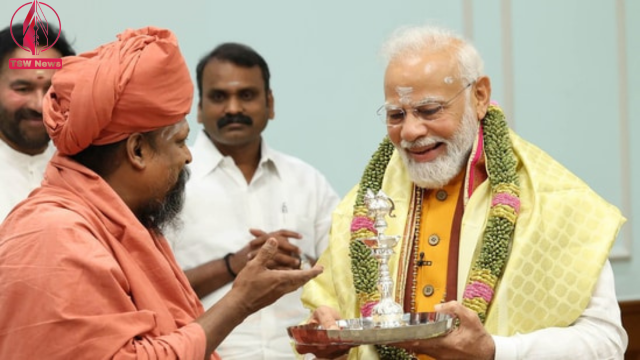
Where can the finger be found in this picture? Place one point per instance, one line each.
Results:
(267, 252)
(288, 234)
(286, 247)
(257, 232)
(258, 242)
(458, 311)
(450, 307)
(287, 260)
(297, 278)
(327, 317)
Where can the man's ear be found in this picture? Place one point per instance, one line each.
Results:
(199, 112)
(137, 151)
(270, 105)
(482, 94)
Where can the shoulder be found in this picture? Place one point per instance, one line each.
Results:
(46, 219)
(50, 237)
(546, 179)
(293, 164)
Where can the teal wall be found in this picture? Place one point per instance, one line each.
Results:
(566, 72)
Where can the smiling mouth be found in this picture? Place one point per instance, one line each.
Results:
(424, 149)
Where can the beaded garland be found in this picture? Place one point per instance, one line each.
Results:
(488, 267)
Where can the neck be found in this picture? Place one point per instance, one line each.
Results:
(245, 156)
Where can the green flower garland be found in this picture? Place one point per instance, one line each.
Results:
(486, 271)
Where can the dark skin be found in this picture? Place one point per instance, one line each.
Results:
(145, 172)
(230, 90)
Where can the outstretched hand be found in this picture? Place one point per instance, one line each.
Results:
(469, 340)
(258, 286)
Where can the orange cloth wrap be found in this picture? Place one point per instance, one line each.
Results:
(138, 83)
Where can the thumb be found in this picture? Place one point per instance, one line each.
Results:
(267, 251)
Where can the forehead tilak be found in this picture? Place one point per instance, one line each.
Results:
(169, 131)
(405, 92)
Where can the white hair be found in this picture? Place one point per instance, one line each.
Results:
(416, 39)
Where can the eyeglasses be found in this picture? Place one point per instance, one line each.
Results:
(428, 110)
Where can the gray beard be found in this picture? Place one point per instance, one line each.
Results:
(439, 172)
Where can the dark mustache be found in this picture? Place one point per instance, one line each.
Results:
(234, 119)
(24, 113)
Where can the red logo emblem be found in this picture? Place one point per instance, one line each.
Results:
(36, 21)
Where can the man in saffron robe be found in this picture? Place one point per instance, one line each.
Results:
(494, 231)
(85, 272)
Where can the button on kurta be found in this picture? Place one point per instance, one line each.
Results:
(434, 239)
(427, 290)
(441, 195)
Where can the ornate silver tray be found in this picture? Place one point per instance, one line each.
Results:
(362, 331)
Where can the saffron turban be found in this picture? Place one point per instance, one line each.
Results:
(138, 83)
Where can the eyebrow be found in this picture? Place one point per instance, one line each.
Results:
(423, 101)
(226, 91)
(21, 82)
(429, 100)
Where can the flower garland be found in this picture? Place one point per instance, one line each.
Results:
(488, 267)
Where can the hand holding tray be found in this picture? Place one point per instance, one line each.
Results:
(416, 326)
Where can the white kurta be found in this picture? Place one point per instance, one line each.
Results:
(220, 208)
(21, 173)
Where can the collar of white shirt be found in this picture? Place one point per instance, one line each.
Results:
(209, 157)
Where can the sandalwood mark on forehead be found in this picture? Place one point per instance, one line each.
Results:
(170, 131)
(448, 80)
(405, 93)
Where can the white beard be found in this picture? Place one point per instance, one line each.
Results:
(439, 172)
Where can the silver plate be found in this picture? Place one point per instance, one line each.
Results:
(362, 331)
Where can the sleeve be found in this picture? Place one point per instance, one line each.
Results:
(596, 335)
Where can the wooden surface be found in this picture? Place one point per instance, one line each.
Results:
(631, 323)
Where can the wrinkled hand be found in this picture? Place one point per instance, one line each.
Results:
(468, 341)
(326, 317)
(287, 257)
(258, 286)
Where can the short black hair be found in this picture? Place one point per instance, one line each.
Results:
(238, 54)
(7, 45)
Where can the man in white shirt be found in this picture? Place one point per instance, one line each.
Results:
(241, 192)
(24, 149)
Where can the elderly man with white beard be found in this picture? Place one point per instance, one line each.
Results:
(494, 231)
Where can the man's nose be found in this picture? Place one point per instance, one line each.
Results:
(189, 156)
(413, 127)
(35, 100)
(234, 106)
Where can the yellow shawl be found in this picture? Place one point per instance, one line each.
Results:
(563, 235)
